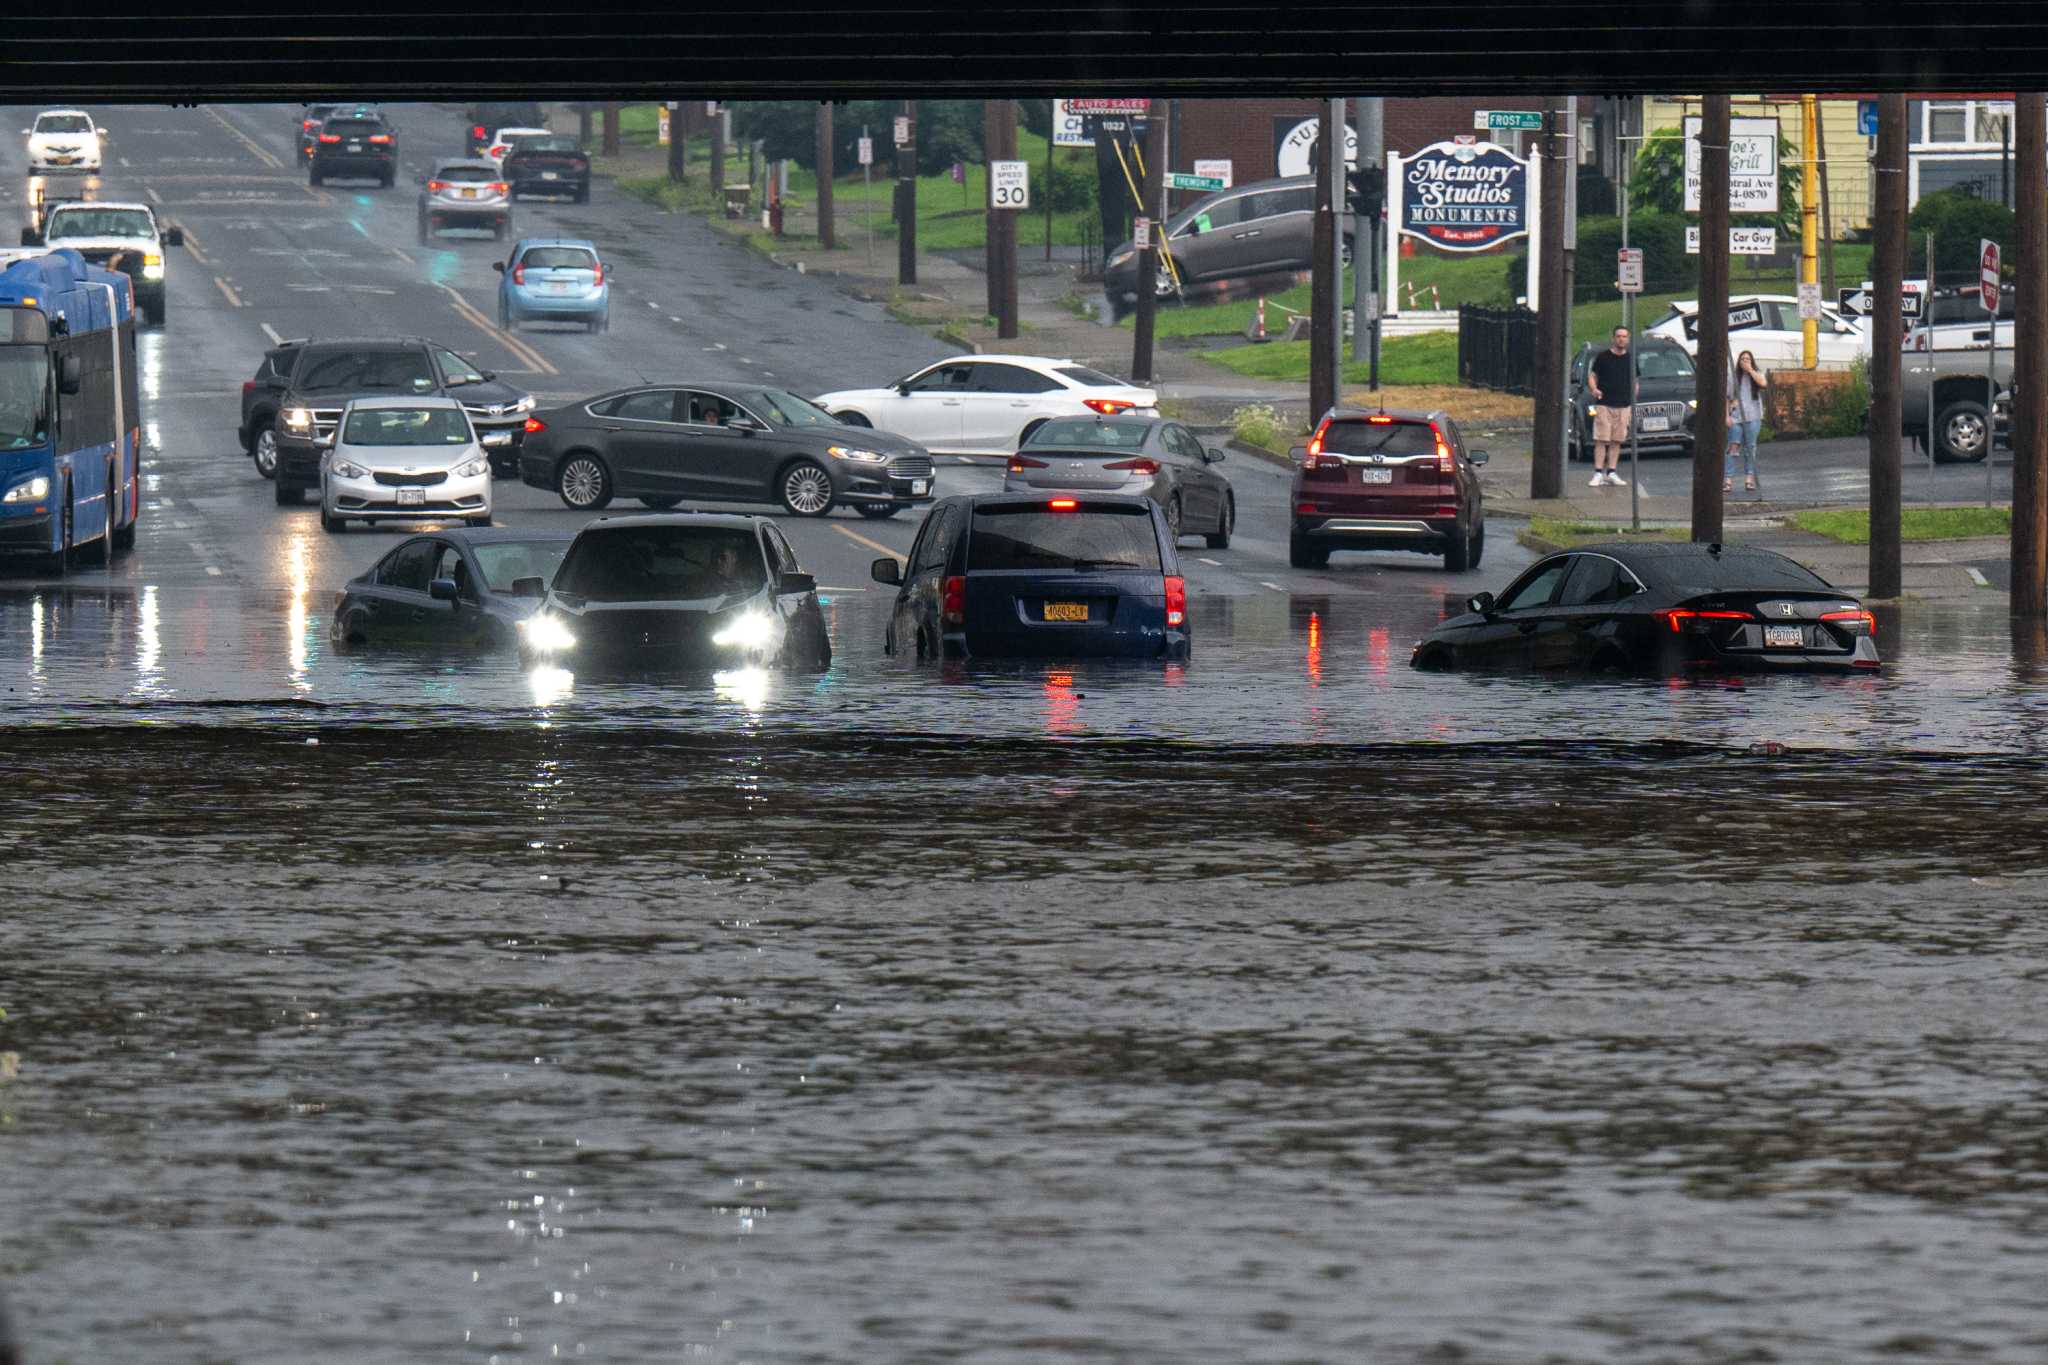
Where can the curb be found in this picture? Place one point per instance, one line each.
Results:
(1259, 452)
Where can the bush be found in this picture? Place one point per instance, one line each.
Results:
(947, 131)
(1666, 267)
(1958, 221)
(1258, 425)
(1843, 409)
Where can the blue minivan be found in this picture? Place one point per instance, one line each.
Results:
(1009, 576)
(554, 279)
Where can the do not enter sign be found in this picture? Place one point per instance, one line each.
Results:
(1987, 283)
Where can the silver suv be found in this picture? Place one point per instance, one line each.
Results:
(465, 194)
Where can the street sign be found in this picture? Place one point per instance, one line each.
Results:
(1629, 270)
(902, 127)
(1743, 241)
(1858, 303)
(1217, 168)
(1809, 302)
(1070, 129)
(1178, 180)
(1987, 275)
(1141, 233)
(1866, 117)
(1516, 120)
(1752, 165)
(1009, 184)
(1741, 316)
(661, 118)
(867, 151)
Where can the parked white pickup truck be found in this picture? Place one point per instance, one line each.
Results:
(125, 237)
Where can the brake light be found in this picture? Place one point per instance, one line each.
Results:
(1062, 505)
(1176, 601)
(1108, 407)
(1020, 463)
(534, 424)
(1380, 419)
(330, 137)
(436, 186)
(1852, 618)
(479, 133)
(1137, 466)
(953, 601)
(501, 187)
(380, 137)
(1315, 445)
(1446, 463)
(597, 275)
(247, 385)
(1679, 616)
(308, 124)
(519, 274)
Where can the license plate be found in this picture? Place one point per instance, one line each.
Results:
(1375, 476)
(549, 175)
(469, 194)
(62, 160)
(558, 289)
(1066, 611)
(1656, 424)
(1784, 637)
(355, 146)
(917, 486)
(411, 497)
(496, 438)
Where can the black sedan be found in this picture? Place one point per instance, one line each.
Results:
(670, 444)
(679, 593)
(1666, 400)
(1659, 608)
(548, 166)
(468, 588)
(1143, 457)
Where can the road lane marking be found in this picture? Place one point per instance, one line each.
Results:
(154, 197)
(271, 332)
(255, 149)
(233, 300)
(675, 319)
(526, 354)
(860, 539)
(403, 257)
(196, 253)
(827, 587)
(1217, 563)
(212, 572)
(122, 159)
(165, 502)
(1975, 577)
(1274, 586)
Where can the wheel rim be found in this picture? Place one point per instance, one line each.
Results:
(1173, 518)
(807, 490)
(582, 482)
(1965, 433)
(266, 453)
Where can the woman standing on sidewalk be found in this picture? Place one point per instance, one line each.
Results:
(1746, 385)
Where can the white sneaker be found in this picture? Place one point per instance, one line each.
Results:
(1614, 477)
(1599, 479)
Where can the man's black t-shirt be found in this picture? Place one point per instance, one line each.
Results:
(1610, 372)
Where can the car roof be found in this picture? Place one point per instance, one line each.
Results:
(1007, 358)
(58, 206)
(731, 521)
(473, 162)
(524, 242)
(80, 112)
(392, 343)
(404, 400)
(499, 534)
(1109, 420)
(1693, 564)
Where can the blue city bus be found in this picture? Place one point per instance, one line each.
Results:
(70, 419)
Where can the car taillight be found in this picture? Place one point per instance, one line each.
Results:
(1315, 445)
(501, 186)
(1137, 466)
(247, 386)
(1680, 616)
(534, 424)
(1446, 463)
(953, 601)
(519, 274)
(1380, 419)
(597, 275)
(1108, 407)
(436, 186)
(1020, 463)
(330, 137)
(479, 133)
(1860, 622)
(307, 125)
(380, 137)
(1176, 601)
(1061, 505)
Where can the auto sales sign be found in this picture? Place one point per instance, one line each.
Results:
(1464, 196)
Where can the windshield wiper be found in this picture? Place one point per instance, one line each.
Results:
(1103, 564)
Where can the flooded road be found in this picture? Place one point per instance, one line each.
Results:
(1287, 1006)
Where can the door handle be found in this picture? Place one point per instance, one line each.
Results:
(1255, 232)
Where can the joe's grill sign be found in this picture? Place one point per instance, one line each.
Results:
(1465, 196)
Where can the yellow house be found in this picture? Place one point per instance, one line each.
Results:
(1844, 150)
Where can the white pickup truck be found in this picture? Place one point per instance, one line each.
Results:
(125, 237)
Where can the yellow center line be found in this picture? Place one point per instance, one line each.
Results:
(859, 539)
(526, 354)
(233, 300)
(403, 257)
(192, 249)
(254, 147)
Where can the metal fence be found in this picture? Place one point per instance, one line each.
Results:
(1497, 348)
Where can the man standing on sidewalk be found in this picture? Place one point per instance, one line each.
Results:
(1614, 407)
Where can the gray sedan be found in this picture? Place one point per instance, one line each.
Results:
(1139, 456)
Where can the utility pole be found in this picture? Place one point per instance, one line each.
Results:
(1887, 275)
(1710, 422)
(1568, 282)
(717, 122)
(1150, 189)
(1004, 227)
(906, 198)
(583, 125)
(1322, 289)
(2030, 361)
(1809, 219)
(611, 127)
(991, 233)
(825, 165)
(1553, 315)
(678, 141)
(1365, 237)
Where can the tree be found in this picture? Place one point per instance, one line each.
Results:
(1660, 182)
(947, 131)
(1959, 221)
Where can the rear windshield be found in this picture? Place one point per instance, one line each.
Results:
(1094, 435)
(404, 371)
(662, 563)
(558, 257)
(466, 175)
(1094, 379)
(505, 562)
(406, 427)
(64, 123)
(1380, 438)
(353, 127)
(1026, 538)
(529, 142)
(1733, 569)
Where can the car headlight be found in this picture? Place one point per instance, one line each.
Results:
(524, 405)
(546, 634)
(749, 630)
(1692, 402)
(345, 470)
(298, 417)
(473, 469)
(1122, 258)
(852, 453)
(38, 487)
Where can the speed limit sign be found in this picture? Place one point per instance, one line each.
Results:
(1009, 184)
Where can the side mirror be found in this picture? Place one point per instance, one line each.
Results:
(442, 590)
(174, 236)
(1298, 454)
(738, 422)
(795, 583)
(1212, 455)
(498, 266)
(30, 237)
(70, 375)
(886, 571)
(1480, 603)
(903, 387)
(1476, 456)
(488, 375)
(530, 587)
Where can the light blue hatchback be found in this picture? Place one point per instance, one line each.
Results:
(554, 279)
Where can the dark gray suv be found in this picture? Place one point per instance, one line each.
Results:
(1238, 235)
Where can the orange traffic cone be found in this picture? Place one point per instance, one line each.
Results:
(1257, 330)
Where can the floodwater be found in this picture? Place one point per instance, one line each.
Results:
(1287, 1006)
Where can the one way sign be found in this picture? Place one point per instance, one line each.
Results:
(1857, 303)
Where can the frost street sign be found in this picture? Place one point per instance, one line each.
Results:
(1517, 120)
(1752, 165)
(1464, 198)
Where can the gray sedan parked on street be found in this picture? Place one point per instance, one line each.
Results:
(1139, 456)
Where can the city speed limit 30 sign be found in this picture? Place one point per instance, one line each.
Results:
(1009, 184)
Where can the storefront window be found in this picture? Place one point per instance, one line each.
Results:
(1948, 122)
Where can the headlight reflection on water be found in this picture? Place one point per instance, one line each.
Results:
(747, 686)
(551, 685)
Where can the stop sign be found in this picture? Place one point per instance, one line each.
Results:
(1987, 281)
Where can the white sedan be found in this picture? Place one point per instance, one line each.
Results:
(977, 404)
(404, 459)
(502, 142)
(63, 140)
(1769, 326)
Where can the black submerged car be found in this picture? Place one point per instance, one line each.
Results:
(678, 593)
(670, 443)
(469, 588)
(1659, 608)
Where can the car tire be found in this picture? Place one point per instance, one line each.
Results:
(1609, 658)
(482, 523)
(1435, 659)
(355, 631)
(388, 179)
(851, 419)
(662, 504)
(582, 195)
(1458, 554)
(805, 489)
(504, 317)
(1479, 545)
(288, 494)
(880, 511)
(1962, 433)
(1303, 553)
(263, 450)
(583, 483)
(1226, 522)
(501, 229)
(1176, 521)
(330, 523)
(153, 311)
(313, 176)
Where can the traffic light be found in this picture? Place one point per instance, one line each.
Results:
(1365, 190)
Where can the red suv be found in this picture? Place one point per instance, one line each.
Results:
(1387, 481)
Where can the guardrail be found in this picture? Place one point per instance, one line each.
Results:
(1497, 349)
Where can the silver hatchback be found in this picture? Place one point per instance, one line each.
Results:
(465, 194)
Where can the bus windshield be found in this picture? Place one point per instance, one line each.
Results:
(24, 397)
